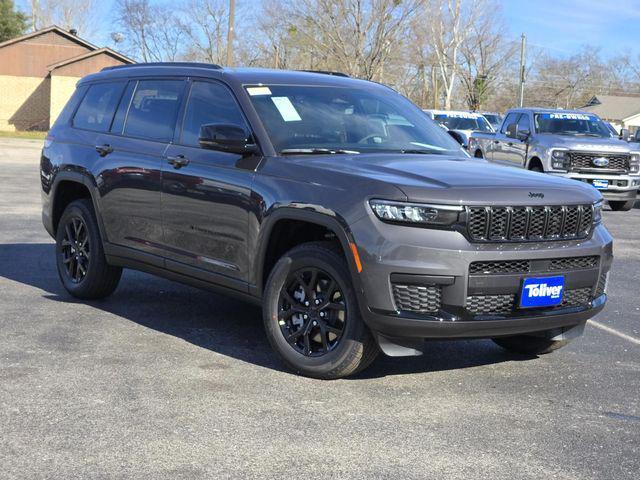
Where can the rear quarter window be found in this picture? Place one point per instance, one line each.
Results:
(98, 106)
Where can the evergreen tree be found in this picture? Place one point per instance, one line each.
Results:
(12, 22)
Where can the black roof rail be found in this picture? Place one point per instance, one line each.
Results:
(326, 72)
(211, 66)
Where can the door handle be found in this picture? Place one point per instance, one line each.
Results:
(510, 144)
(178, 161)
(496, 141)
(104, 150)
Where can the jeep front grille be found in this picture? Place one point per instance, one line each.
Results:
(497, 267)
(506, 303)
(417, 298)
(584, 161)
(529, 224)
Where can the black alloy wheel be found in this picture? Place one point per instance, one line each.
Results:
(312, 312)
(76, 249)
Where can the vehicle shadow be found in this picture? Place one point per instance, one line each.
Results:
(217, 323)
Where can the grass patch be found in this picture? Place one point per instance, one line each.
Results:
(30, 135)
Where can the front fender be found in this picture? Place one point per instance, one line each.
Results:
(308, 213)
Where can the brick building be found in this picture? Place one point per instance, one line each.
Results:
(38, 73)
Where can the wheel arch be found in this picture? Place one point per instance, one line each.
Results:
(69, 186)
(535, 160)
(284, 216)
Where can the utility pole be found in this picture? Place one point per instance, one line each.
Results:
(522, 60)
(232, 13)
(434, 80)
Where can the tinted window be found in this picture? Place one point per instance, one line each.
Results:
(69, 108)
(209, 103)
(154, 108)
(97, 106)
(511, 118)
(121, 113)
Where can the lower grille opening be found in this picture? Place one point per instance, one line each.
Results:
(417, 298)
(506, 303)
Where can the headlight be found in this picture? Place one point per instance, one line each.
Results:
(597, 212)
(560, 160)
(415, 213)
(634, 164)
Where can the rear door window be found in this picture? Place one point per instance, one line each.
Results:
(98, 106)
(154, 109)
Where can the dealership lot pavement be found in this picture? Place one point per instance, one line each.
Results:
(166, 381)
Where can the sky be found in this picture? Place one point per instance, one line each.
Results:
(564, 26)
(560, 26)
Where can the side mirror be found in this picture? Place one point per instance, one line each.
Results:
(226, 138)
(457, 137)
(523, 134)
(512, 129)
(624, 134)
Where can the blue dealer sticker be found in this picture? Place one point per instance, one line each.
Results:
(541, 292)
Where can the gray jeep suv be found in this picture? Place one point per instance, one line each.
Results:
(355, 221)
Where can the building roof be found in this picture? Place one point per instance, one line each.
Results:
(614, 107)
(53, 28)
(93, 53)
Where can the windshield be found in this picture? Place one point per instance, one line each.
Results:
(571, 124)
(492, 118)
(455, 122)
(319, 119)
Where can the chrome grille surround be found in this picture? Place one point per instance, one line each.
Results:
(529, 224)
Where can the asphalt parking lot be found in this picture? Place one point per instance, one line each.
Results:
(165, 381)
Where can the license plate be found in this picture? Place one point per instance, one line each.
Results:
(599, 184)
(542, 292)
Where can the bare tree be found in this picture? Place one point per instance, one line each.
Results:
(484, 55)
(150, 33)
(355, 36)
(205, 24)
(68, 14)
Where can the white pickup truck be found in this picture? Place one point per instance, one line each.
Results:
(460, 124)
(566, 143)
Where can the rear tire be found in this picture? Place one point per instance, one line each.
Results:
(82, 267)
(622, 206)
(478, 154)
(536, 168)
(321, 342)
(529, 345)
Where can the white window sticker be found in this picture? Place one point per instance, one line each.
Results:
(286, 109)
(253, 91)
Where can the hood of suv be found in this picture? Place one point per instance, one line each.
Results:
(449, 179)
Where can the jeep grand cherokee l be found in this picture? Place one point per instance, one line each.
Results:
(355, 221)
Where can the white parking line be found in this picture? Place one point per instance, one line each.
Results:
(613, 331)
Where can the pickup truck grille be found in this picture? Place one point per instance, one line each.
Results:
(529, 224)
(583, 161)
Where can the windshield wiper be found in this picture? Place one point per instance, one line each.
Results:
(422, 151)
(316, 151)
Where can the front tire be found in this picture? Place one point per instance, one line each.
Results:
(311, 314)
(82, 267)
(622, 206)
(529, 345)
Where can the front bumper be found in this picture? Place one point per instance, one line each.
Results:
(443, 258)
